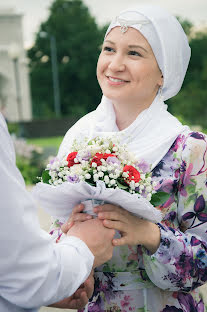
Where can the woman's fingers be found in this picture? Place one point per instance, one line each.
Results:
(120, 241)
(109, 207)
(76, 216)
(111, 215)
(117, 225)
(78, 208)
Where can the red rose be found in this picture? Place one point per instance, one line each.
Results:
(71, 158)
(133, 173)
(97, 158)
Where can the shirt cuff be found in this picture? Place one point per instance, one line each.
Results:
(78, 243)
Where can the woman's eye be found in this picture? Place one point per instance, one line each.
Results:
(108, 49)
(134, 53)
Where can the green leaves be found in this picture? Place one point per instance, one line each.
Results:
(45, 176)
(122, 187)
(159, 198)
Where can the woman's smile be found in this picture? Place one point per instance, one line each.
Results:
(114, 81)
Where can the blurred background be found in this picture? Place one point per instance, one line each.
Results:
(48, 55)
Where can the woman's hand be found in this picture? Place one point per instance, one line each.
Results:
(133, 230)
(77, 215)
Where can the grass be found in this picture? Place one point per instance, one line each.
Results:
(46, 142)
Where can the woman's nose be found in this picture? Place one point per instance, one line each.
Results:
(117, 63)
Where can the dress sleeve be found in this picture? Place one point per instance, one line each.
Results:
(180, 263)
(33, 270)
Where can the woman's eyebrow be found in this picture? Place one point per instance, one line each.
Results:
(137, 47)
(109, 41)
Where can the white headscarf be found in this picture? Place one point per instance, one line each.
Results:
(167, 40)
(153, 132)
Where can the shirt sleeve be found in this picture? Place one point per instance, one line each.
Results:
(33, 270)
(180, 263)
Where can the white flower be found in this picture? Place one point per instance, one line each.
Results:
(106, 179)
(112, 182)
(94, 165)
(125, 174)
(132, 185)
(95, 177)
(87, 176)
(76, 169)
(100, 174)
(149, 197)
(141, 187)
(103, 168)
(148, 188)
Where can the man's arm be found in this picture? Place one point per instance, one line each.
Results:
(33, 270)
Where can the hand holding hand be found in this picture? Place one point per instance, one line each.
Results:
(80, 298)
(97, 237)
(133, 230)
(77, 215)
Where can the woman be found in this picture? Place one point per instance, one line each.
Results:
(157, 267)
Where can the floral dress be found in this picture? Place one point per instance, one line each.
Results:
(168, 280)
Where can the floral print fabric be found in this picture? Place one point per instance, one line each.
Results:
(168, 280)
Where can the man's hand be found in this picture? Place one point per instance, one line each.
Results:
(80, 298)
(97, 237)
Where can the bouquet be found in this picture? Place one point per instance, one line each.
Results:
(99, 169)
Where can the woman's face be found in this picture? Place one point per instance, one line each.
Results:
(127, 70)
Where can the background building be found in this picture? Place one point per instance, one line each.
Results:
(15, 101)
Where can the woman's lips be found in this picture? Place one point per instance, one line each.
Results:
(116, 81)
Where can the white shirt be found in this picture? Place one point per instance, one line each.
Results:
(33, 270)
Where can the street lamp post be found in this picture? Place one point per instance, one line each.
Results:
(55, 76)
(14, 53)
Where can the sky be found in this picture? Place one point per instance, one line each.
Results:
(36, 11)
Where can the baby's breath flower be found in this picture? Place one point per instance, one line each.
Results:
(103, 168)
(149, 197)
(100, 174)
(87, 176)
(148, 188)
(125, 174)
(95, 177)
(106, 179)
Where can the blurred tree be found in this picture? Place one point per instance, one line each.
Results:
(78, 41)
(190, 103)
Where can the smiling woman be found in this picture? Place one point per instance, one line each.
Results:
(155, 267)
(128, 72)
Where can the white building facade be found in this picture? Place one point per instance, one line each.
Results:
(15, 99)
